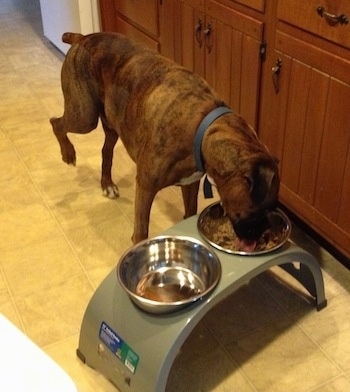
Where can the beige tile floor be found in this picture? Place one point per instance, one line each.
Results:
(60, 237)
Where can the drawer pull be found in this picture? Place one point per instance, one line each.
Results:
(207, 37)
(331, 18)
(198, 32)
(276, 70)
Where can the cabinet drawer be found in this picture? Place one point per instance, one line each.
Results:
(238, 21)
(304, 14)
(140, 12)
(132, 32)
(258, 5)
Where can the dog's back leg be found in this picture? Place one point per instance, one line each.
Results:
(109, 188)
(190, 198)
(67, 148)
(81, 108)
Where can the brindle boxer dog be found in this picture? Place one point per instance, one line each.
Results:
(155, 106)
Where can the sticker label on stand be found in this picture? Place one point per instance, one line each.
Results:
(118, 347)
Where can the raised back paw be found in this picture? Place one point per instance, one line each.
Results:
(68, 153)
(67, 148)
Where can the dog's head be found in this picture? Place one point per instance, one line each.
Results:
(246, 176)
(249, 195)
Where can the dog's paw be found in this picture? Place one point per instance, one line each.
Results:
(68, 154)
(69, 160)
(111, 191)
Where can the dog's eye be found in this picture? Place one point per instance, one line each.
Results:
(250, 183)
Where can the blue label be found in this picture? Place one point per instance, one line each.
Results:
(118, 347)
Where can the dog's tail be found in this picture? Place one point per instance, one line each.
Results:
(71, 38)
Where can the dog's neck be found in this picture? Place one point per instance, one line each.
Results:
(203, 126)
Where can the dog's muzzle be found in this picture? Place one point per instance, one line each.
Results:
(251, 228)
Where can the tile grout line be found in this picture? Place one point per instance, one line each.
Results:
(43, 200)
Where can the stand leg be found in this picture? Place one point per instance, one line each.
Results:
(309, 275)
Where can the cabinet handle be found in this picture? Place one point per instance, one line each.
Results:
(331, 18)
(207, 34)
(276, 70)
(198, 32)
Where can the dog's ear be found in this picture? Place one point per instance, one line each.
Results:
(263, 182)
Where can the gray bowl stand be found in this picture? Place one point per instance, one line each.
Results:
(136, 350)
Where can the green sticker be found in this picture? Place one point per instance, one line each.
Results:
(131, 358)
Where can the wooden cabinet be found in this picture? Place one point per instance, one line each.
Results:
(222, 45)
(305, 116)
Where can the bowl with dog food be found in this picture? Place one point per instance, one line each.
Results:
(216, 228)
(167, 273)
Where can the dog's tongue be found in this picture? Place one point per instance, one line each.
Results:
(245, 245)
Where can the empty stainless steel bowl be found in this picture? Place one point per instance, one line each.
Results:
(166, 273)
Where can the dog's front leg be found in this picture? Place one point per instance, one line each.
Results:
(143, 203)
(109, 188)
(190, 198)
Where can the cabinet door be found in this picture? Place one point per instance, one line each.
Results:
(189, 28)
(142, 13)
(223, 46)
(167, 20)
(232, 58)
(306, 125)
(135, 19)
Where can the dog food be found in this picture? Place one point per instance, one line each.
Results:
(219, 230)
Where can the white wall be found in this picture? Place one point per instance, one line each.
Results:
(59, 16)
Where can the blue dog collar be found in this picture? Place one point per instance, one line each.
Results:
(207, 120)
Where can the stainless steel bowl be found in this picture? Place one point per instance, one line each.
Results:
(166, 273)
(212, 219)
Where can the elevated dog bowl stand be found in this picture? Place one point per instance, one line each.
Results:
(135, 350)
